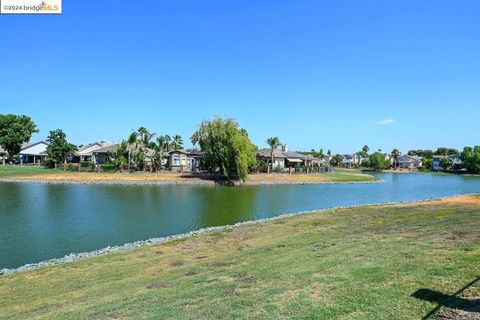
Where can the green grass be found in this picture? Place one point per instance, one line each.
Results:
(348, 176)
(358, 263)
(12, 171)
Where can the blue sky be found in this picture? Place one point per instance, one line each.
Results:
(317, 74)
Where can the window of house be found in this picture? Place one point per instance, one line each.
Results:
(176, 160)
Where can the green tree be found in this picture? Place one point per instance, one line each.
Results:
(446, 162)
(157, 160)
(395, 154)
(59, 148)
(274, 143)
(471, 159)
(177, 142)
(226, 147)
(321, 155)
(378, 162)
(14, 131)
(336, 160)
(121, 154)
(365, 149)
(443, 151)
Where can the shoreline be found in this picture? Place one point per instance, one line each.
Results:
(72, 257)
(206, 183)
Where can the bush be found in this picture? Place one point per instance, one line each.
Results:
(72, 167)
(86, 164)
(279, 169)
(108, 166)
(262, 166)
(50, 164)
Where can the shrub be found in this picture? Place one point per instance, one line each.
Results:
(262, 166)
(72, 167)
(109, 166)
(85, 164)
(50, 164)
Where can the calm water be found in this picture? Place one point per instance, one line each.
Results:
(41, 221)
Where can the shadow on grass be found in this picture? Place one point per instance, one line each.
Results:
(448, 300)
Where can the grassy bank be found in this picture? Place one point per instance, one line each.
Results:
(357, 263)
(51, 175)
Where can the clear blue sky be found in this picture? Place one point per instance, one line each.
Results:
(317, 74)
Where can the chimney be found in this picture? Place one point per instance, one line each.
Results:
(285, 148)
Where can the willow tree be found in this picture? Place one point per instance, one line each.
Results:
(226, 147)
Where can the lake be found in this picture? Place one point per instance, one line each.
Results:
(42, 221)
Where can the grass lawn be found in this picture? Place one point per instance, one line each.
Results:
(13, 171)
(42, 174)
(358, 263)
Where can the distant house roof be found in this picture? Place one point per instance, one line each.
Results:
(106, 149)
(293, 154)
(178, 151)
(89, 148)
(194, 152)
(266, 153)
(34, 149)
(407, 157)
(453, 156)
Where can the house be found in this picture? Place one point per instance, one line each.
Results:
(104, 154)
(456, 162)
(294, 159)
(185, 160)
(85, 153)
(409, 162)
(195, 157)
(278, 157)
(33, 153)
(351, 160)
(286, 159)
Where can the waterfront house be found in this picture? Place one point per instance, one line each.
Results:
(286, 159)
(456, 162)
(294, 159)
(103, 154)
(351, 160)
(85, 153)
(195, 157)
(409, 162)
(278, 157)
(33, 153)
(185, 160)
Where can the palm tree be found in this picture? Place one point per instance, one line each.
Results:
(132, 144)
(177, 142)
(195, 138)
(274, 143)
(167, 140)
(365, 149)
(395, 154)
